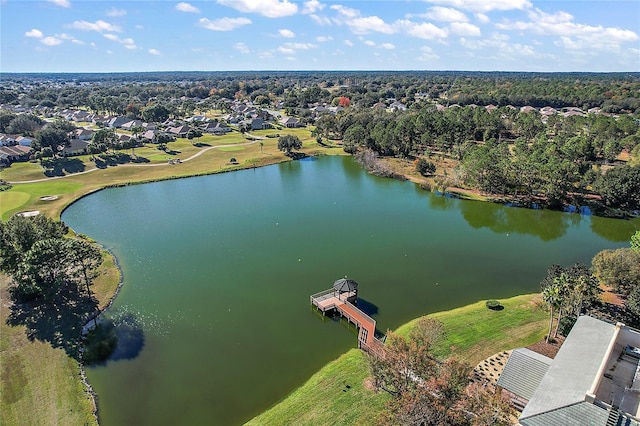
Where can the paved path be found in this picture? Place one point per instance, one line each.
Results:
(197, 154)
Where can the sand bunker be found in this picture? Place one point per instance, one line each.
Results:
(49, 198)
(30, 213)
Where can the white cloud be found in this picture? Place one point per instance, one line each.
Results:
(486, 5)
(320, 20)
(223, 24)
(242, 48)
(291, 48)
(312, 6)
(322, 39)
(286, 50)
(572, 35)
(51, 41)
(424, 30)
(445, 14)
(286, 33)
(346, 12)
(369, 24)
(186, 7)
(348, 43)
(268, 8)
(35, 33)
(128, 42)
(370, 43)
(427, 54)
(76, 41)
(388, 46)
(300, 46)
(464, 29)
(113, 12)
(61, 3)
(99, 26)
(482, 18)
(500, 48)
(154, 52)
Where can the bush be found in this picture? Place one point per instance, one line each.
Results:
(233, 160)
(494, 305)
(566, 324)
(425, 168)
(100, 343)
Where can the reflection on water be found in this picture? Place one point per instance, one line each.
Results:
(218, 271)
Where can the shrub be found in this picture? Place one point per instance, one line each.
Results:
(566, 324)
(233, 160)
(425, 168)
(494, 305)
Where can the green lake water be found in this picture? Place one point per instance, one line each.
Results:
(219, 270)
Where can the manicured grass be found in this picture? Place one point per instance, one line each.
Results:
(326, 400)
(213, 157)
(40, 385)
(473, 333)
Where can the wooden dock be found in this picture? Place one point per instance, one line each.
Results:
(331, 300)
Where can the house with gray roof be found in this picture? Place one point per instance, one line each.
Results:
(594, 380)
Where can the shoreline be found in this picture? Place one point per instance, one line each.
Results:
(87, 386)
(83, 375)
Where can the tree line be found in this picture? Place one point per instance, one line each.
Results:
(506, 151)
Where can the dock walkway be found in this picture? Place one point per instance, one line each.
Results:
(332, 300)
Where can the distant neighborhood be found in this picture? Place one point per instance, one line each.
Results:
(242, 116)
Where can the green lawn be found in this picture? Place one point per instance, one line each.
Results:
(213, 157)
(40, 385)
(473, 333)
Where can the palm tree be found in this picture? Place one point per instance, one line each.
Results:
(551, 296)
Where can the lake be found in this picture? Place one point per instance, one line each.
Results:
(218, 271)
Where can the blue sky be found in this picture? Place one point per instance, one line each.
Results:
(222, 35)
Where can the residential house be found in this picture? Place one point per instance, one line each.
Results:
(8, 140)
(290, 122)
(258, 124)
(593, 380)
(129, 124)
(11, 154)
(75, 147)
(397, 106)
(150, 135)
(117, 122)
(527, 108)
(82, 134)
(179, 131)
(79, 116)
(24, 140)
(216, 128)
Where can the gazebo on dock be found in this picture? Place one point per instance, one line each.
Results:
(346, 288)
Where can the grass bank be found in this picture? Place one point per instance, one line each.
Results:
(39, 384)
(72, 178)
(473, 333)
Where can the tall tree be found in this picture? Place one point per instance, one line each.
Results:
(288, 143)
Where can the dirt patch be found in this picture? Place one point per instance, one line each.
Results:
(547, 349)
(368, 384)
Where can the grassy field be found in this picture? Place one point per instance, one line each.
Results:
(40, 385)
(69, 179)
(473, 333)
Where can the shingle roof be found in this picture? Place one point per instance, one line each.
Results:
(574, 369)
(523, 372)
(578, 414)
